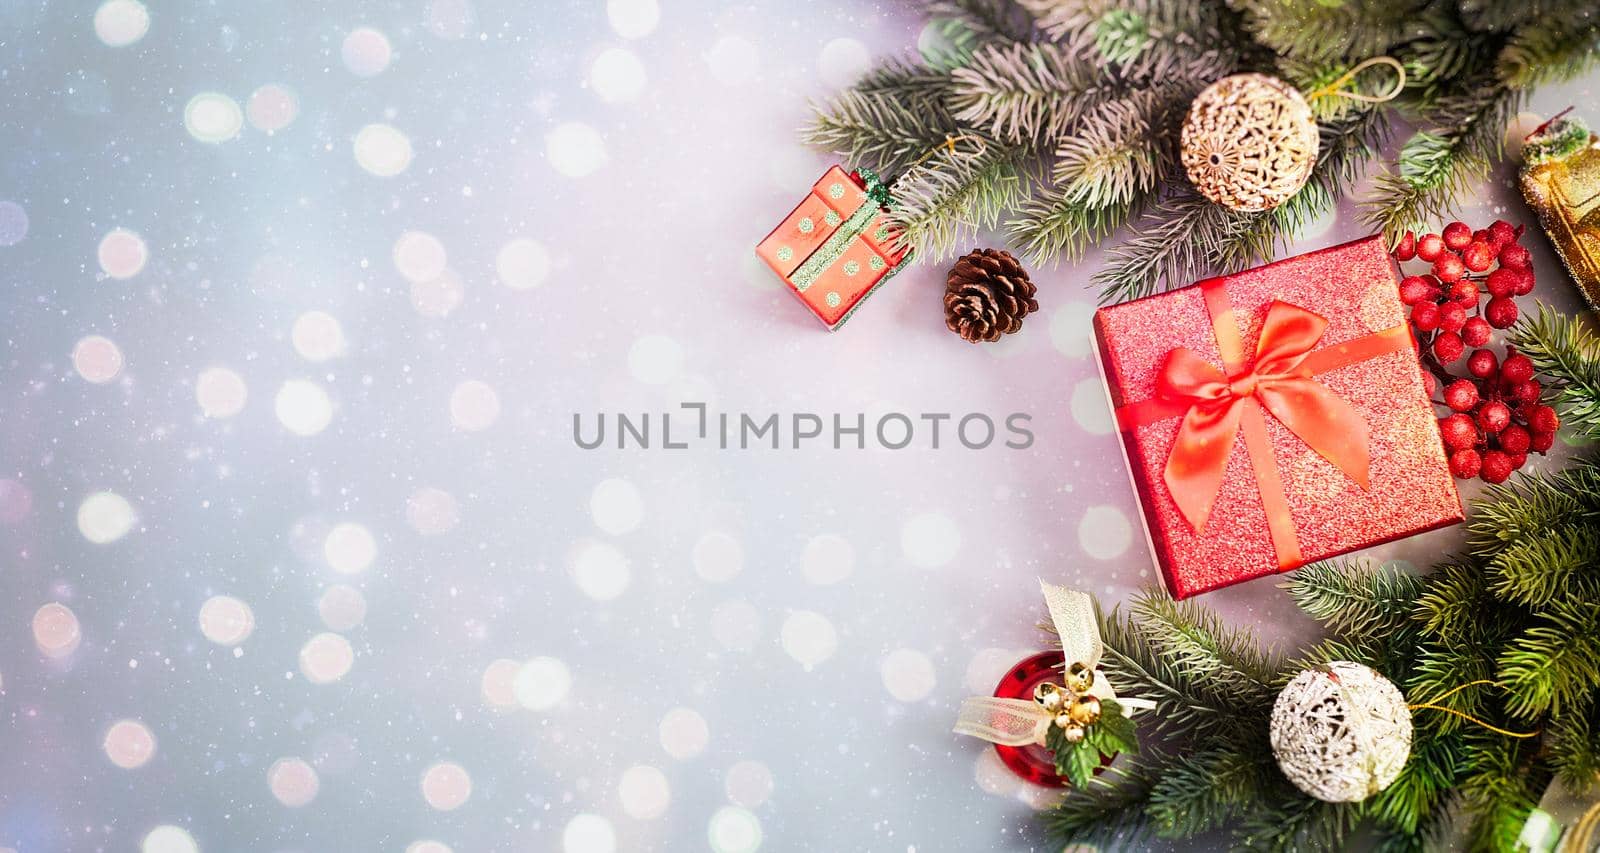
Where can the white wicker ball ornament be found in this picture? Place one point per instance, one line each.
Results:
(1249, 142)
(1341, 732)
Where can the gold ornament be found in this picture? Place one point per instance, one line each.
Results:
(1249, 142)
(1072, 732)
(1080, 677)
(1049, 695)
(1085, 710)
(1561, 182)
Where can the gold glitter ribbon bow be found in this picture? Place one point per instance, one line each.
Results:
(1019, 722)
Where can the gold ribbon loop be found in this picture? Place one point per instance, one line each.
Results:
(1337, 85)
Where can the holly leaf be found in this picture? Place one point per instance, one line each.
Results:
(1076, 762)
(1114, 732)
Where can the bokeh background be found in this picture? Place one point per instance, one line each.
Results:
(296, 549)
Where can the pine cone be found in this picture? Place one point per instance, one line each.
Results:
(986, 295)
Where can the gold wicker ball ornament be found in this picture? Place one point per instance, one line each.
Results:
(1249, 142)
(1341, 732)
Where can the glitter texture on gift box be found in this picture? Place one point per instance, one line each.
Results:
(1364, 368)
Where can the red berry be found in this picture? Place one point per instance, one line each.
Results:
(1517, 368)
(1425, 316)
(1477, 256)
(1503, 281)
(1465, 292)
(1515, 439)
(1415, 288)
(1429, 384)
(1524, 282)
(1494, 416)
(1465, 463)
(1518, 460)
(1449, 268)
(1452, 316)
(1542, 442)
(1543, 420)
(1496, 467)
(1482, 362)
(1430, 247)
(1458, 431)
(1457, 235)
(1502, 234)
(1501, 312)
(1513, 256)
(1527, 393)
(1461, 395)
(1407, 248)
(1447, 347)
(1475, 332)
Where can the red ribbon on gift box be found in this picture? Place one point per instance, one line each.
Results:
(1218, 406)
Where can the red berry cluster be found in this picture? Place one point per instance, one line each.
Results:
(1496, 418)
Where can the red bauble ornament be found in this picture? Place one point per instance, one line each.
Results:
(1032, 762)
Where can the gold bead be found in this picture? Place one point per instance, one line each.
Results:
(1049, 695)
(1085, 710)
(1080, 677)
(1064, 720)
(1073, 733)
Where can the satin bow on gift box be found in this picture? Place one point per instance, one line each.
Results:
(1279, 381)
(1020, 722)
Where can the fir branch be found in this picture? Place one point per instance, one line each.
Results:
(1103, 174)
(1501, 787)
(1175, 243)
(1567, 351)
(1356, 596)
(1557, 561)
(1108, 813)
(1554, 664)
(1200, 792)
(1549, 49)
(1437, 164)
(1215, 658)
(1455, 596)
(1444, 674)
(1025, 92)
(1424, 784)
(1573, 743)
(1523, 507)
(882, 131)
(1291, 821)
(970, 23)
(946, 201)
(1319, 31)
(1184, 709)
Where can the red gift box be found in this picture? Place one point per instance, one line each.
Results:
(835, 249)
(1275, 417)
